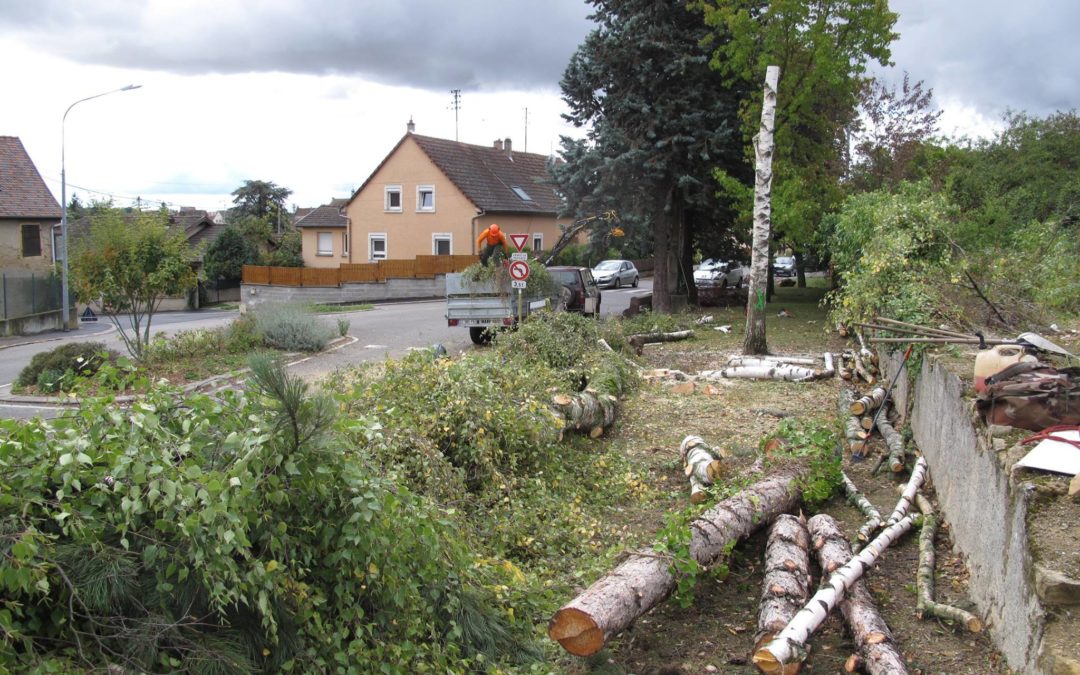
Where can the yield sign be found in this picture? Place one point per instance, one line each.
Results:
(519, 240)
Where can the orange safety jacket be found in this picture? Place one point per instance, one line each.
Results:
(492, 239)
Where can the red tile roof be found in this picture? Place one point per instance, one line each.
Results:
(23, 193)
(487, 175)
(328, 215)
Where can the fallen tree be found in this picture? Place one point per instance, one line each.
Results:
(876, 648)
(924, 580)
(611, 603)
(857, 499)
(639, 340)
(586, 411)
(786, 585)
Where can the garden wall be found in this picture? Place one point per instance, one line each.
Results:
(986, 511)
(252, 295)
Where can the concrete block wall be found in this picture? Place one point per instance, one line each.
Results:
(986, 512)
(252, 295)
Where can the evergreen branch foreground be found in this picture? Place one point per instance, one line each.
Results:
(409, 521)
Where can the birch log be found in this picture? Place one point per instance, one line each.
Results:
(639, 341)
(869, 403)
(873, 639)
(907, 497)
(587, 411)
(789, 646)
(786, 586)
(610, 604)
(924, 581)
(702, 465)
(852, 428)
(873, 516)
(773, 371)
(771, 361)
(860, 368)
(895, 444)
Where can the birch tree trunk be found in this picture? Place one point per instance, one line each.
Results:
(924, 580)
(755, 342)
(588, 411)
(873, 639)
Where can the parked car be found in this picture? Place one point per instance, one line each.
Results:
(615, 273)
(720, 274)
(784, 266)
(580, 292)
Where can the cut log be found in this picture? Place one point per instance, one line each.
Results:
(852, 428)
(867, 422)
(862, 371)
(610, 604)
(873, 517)
(846, 373)
(895, 444)
(771, 360)
(907, 496)
(587, 411)
(639, 340)
(869, 403)
(776, 371)
(702, 465)
(924, 581)
(786, 585)
(830, 367)
(873, 639)
(789, 645)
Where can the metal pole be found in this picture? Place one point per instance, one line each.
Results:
(63, 201)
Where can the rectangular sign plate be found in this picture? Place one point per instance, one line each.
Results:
(520, 256)
(514, 283)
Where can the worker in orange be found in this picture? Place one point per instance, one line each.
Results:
(488, 240)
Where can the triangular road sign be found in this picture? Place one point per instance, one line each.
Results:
(519, 240)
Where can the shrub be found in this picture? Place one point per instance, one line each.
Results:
(242, 335)
(82, 358)
(292, 328)
(343, 327)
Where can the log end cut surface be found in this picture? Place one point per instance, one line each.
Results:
(576, 632)
(767, 663)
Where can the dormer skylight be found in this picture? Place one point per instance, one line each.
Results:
(520, 192)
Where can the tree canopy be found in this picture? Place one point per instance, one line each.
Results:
(226, 256)
(659, 121)
(260, 199)
(130, 261)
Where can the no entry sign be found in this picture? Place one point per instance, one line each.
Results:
(519, 270)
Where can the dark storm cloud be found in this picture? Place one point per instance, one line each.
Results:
(993, 54)
(428, 44)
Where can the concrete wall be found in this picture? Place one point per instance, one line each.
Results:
(37, 323)
(11, 253)
(987, 513)
(252, 295)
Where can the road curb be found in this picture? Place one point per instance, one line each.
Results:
(109, 330)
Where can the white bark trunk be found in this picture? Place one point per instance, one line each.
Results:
(754, 342)
(908, 496)
(764, 372)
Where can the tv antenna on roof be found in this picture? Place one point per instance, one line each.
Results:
(456, 106)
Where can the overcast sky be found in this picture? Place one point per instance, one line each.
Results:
(312, 94)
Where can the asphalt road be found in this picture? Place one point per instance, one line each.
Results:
(387, 331)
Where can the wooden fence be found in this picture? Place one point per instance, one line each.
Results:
(422, 267)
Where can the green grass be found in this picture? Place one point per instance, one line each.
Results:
(340, 309)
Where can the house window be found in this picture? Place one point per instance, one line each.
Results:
(538, 242)
(520, 192)
(31, 240)
(376, 247)
(392, 194)
(425, 197)
(326, 243)
(344, 244)
(441, 244)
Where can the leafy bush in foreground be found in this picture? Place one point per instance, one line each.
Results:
(241, 535)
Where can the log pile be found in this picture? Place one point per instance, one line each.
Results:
(610, 604)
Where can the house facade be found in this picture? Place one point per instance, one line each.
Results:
(432, 196)
(28, 213)
(324, 235)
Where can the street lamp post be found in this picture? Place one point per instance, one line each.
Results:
(63, 201)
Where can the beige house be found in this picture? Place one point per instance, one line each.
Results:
(324, 235)
(28, 213)
(432, 196)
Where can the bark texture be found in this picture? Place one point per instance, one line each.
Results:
(702, 465)
(869, 403)
(610, 604)
(639, 341)
(852, 428)
(789, 646)
(587, 411)
(873, 639)
(907, 497)
(873, 517)
(894, 442)
(786, 586)
(924, 581)
(773, 371)
(754, 342)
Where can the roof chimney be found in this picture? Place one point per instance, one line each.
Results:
(411, 126)
(509, 147)
(498, 144)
